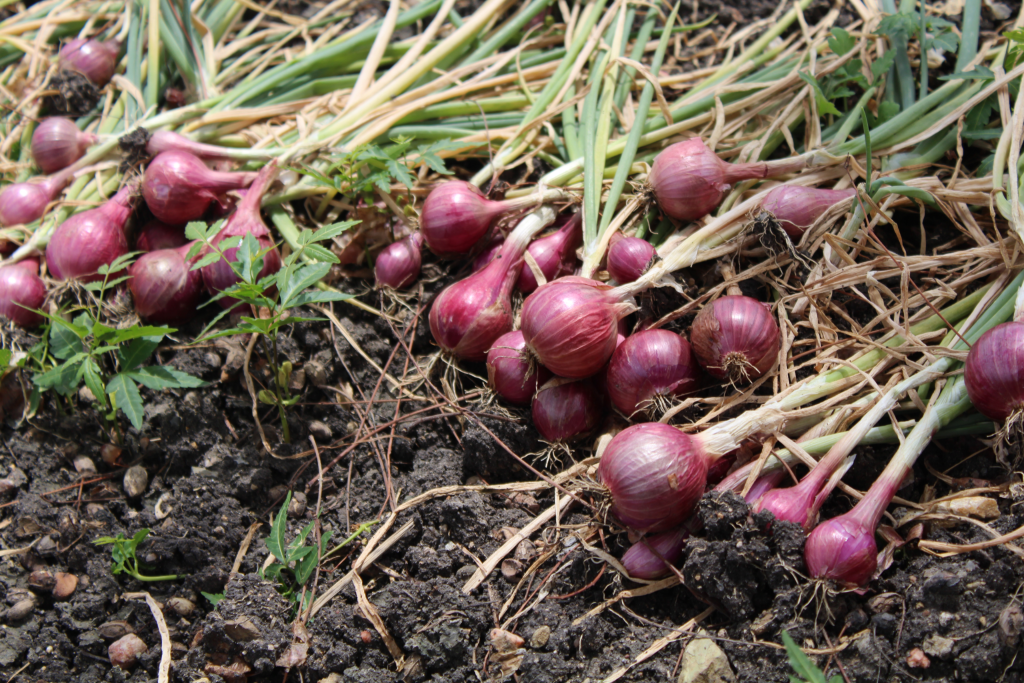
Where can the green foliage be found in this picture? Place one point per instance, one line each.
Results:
(122, 552)
(214, 598)
(849, 80)
(938, 33)
(803, 666)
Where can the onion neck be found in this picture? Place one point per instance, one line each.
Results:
(53, 184)
(529, 226)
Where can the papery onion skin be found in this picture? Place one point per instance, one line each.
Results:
(469, 315)
(24, 203)
(655, 475)
(93, 238)
(571, 325)
(642, 559)
(165, 288)
(21, 289)
(456, 215)
(555, 254)
(994, 371)
(629, 258)
(842, 549)
(647, 365)
(509, 374)
(94, 59)
(796, 208)
(398, 265)
(57, 143)
(735, 337)
(179, 187)
(156, 235)
(565, 410)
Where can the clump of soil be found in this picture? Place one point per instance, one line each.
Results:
(76, 95)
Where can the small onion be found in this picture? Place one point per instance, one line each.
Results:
(22, 292)
(567, 409)
(93, 238)
(398, 265)
(165, 288)
(509, 374)
(689, 180)
(94, 59)
(796, 208)
(646, 559)
(571, 325)
(168, 141)
(156, 235)
(842, 549)
(994, 371)
(629, 258)
(57, 143)
(24, 203)
(554, 254)
(735, 337)
(489, 253)
(648, 369)
(179, 187)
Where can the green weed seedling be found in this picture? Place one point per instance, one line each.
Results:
(803, 665)
(124, 559)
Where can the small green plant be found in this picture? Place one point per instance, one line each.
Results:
(124, 559)
(803, 665)
(273, 295)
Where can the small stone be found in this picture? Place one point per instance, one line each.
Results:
(297, 506)
(136, 479)
(66, 585)
(115, 629)
(180, 606)
(241, 630)
(320, 431)
(17, 477)
(315, 373)
(511, 569)
(109, 453)
(705, 662)
(918, 660)
(85, 395)
(20, 610)
(42, 579)
(125, 651)
(938, 646)
(1011, 622)
(540, 637)
(885, 602)
(526, 552)
(505, 641)
(297, 380)
(84, 465)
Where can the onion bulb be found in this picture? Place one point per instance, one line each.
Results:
(489, 253)
(509, 374)
(994, 371)
(93, 238)
(554, 254)
(57, 143)
(156, 235)
(735, 337)
(94, 59)
(179, 187)
(629, 258)
(567, 409)
(651, 557)
(796, 208)
(648, 369)
(24, 203)
(165, 288)
(22, 292)
(398, 265)
(842, 549)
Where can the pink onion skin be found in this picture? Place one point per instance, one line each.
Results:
(24, 203)
(571, 325)
(567, 409)
(642, 559)
(168, 141)
(508, 372)
(994, 371)
(165, 289)
(93, 238)
(456, 215)
(488, 254)
(156, 235)
(57, 143)
(689, 180)
(179, 187)
(648, 364)
(735, 337)
(655, 475)
(398, 265)
(219, 275)
(796, 208)
(842, 549)
(21, 289)
(94, 59)
(555, 254)
(629, 258)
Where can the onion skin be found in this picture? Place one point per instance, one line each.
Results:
(164, 287)
(488, 254)
(94, 59)
(571, 325)
(57, 143)
(168, 141)
(642, 559)
(21, 289)
(648, 365)
(994, 371)
(565, 410)
(24, 203)
(179, 187)
(156, 235)
(796, 208)
(93, 238)
(508, 372)
(735, 337)
(629, 258)
(398, 265)
(555, 254)
(456, 215)
(842, 549)
(655, 475)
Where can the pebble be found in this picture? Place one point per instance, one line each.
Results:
(42, 579)
(705, 662)
(315, 373)
(540, 637)
(136, 479)
(241, 630)
(20, 610)
(320, 431)
(115, 629)
(125, 651)
(505, 641)
(180, 606)
(1011, 622)
(109, 453)
(938, 646)
(297, 506)
(65, 586)
(84, 465)
(917, 659)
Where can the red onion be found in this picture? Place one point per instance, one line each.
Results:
(843, 549)
(689, 180)
(651, 557)
(24, 203)
(219, 275)
(509, 374)
(649, 369)
(800, 504)
(156, 235)
(629, 258)
(21, 291)
(566, 409)
(164, 287)
(796, 208)
(488, 254)
(735, 337)
(57, 143)
(571, 324)
(92, 58)
(398, 265)
(167, 141)
(93, 238)
(994, 371)
(179, 187)
(468, 316)
(554, 254)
